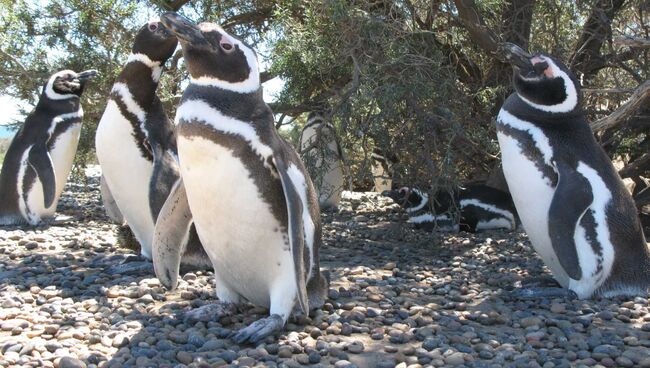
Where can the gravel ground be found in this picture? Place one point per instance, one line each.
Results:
(399, 297)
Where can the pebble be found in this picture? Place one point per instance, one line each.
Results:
(394, 299)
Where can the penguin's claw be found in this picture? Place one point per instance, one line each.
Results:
(543, 292)
(210, 312)
(259, 330)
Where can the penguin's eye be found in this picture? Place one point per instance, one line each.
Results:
(226, 46)
(153, 27)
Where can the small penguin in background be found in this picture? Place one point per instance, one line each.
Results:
(40, 156)
(382, 170)
(322, 154)
(252, 201)
(135, 142)
(578, 215)
(480, 208)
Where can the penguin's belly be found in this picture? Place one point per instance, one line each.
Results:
(247, 245)
(127, 173)
(62, 153)
(532, 194)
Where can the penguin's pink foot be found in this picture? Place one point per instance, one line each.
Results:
(210, 312)
(259, 330)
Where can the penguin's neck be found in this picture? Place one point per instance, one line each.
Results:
(249, 107)
(141, 75)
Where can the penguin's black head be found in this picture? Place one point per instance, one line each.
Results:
(213, 57)
(541, 81)
(405, 196)
(67, 84)
(155, 41)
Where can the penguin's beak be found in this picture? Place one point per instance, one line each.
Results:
(183, 28)
(87, 74)
(515, 55)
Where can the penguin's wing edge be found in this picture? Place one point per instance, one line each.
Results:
(290, 177)
(170, 235)
(570, 202)
(39, 159)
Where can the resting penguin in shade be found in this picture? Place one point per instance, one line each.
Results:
(572, 203)
(39, 159)
(322, 154)
(253, 204)
(136, 144)
(481, 208)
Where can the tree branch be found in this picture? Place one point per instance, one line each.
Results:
(638, 98)
(637, 167)
(633, 42)
(473, 22)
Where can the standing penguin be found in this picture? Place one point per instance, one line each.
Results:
(135, 140)
(382, 170)
(322, 154)
(39, 159)
(572, 203)
(253, 204)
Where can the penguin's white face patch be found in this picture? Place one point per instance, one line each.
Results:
(539, 87)
(156, 68)
(49, 87)
(424, 200)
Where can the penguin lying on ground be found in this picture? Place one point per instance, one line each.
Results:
(253, 204)
(481, 208)
(322, 154)
(578, 215)
(136, 145)
(39, 159)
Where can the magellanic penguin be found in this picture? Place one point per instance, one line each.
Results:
(572, 203)
(480, 208)
(39, 159)
(136, 145)
(382, 170)
(253, 204)
(322, 154)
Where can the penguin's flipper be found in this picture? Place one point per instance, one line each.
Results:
(170, 236)
(571, 199)
(110, 206)
(39, 159)
(294, 183)
(164, 176)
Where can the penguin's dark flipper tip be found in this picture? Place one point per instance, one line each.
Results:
(542, 293)
(259, 330)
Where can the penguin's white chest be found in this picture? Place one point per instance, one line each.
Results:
(62, 153)
(127, 173)
(532, 194)
(246, 243)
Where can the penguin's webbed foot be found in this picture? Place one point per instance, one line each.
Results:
(259, 330)
(538, 281)
(542, 292)
(210, 312)
(132, 265)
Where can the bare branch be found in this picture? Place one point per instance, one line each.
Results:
(634, 42)
(638, 98)
(637, 167)
(473, 22)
